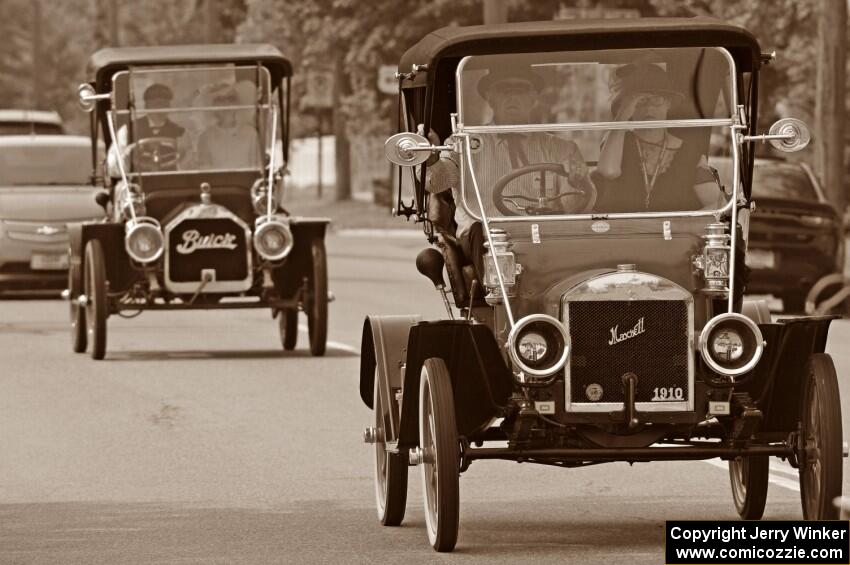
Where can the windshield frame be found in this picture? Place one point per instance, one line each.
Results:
(465, 135)
(274, 112)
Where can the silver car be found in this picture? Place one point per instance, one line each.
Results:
(44, 184)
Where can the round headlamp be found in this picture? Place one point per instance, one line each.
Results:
(273, 240)
(731, 344)
(538, 345)
(143, 241)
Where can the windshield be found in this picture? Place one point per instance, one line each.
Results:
(193, 118)
(40, 163)
(595, 131)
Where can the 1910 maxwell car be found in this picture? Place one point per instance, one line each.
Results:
(197, 140)
(605, 320)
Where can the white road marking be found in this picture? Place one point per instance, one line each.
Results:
(773, 476)
(338, 345)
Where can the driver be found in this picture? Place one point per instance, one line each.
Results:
(510, 92)
(151, 126)
(157, 124)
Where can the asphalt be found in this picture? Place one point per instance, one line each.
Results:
(198, 440)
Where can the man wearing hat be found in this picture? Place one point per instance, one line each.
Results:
(151, 125)
(650, 169)
(511, 92)
(156, 124)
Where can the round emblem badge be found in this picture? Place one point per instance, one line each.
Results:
(594, 392)
(600, 226)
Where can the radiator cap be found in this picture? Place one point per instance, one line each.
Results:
(626, 268)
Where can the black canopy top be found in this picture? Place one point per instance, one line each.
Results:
(455, 42)
(106, 62)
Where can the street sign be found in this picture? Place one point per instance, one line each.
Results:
(320, 85)
(387, 83)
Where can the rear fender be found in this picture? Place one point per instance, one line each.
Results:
(383, 350)
(481, 381)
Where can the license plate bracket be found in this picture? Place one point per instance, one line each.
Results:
(48, 262)
(761, 259)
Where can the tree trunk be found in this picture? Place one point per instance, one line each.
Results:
(829, 106)
(342, 151)
(114, 23)
(495, 11)
(37, 69)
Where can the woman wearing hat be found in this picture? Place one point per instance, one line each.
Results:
(650, 169)
(228, 143)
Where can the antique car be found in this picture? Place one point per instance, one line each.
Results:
(796, 235)
(44, 185)
(603, 317)
(197, 144)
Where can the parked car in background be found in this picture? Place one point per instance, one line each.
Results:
(796, 235)
(44, 183)
(195, 179)
(27, 122)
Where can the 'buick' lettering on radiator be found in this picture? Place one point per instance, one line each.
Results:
(618, 337)
(193, 241)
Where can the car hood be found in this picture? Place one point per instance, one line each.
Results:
(793, 206)
(49, 203)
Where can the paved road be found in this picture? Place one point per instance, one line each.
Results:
(199, 441)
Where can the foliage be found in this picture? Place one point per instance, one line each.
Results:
(364, 35)
(787, 26)
(50, 81)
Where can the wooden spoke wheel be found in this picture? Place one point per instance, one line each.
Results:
(820, 455)
(441, 455)
(287, 321)
(317, 302)
(390, 468)
(748, 476)
(94, 287)
(79, 331)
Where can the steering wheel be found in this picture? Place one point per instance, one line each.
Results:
(154, 154)
(576, 199)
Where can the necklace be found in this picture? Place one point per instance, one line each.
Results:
(649, 183)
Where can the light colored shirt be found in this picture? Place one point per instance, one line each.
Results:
(228, 148)
(499, 155)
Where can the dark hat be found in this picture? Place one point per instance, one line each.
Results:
(510, 73)
(158, 91)
(641, 78)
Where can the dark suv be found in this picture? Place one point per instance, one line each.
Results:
(795, 234)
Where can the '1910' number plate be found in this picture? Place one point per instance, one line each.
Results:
(668, 394)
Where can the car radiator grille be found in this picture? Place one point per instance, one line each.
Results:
(187, 261)
(651, 341)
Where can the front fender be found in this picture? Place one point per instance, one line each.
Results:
(481, 381)
(777, 381)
